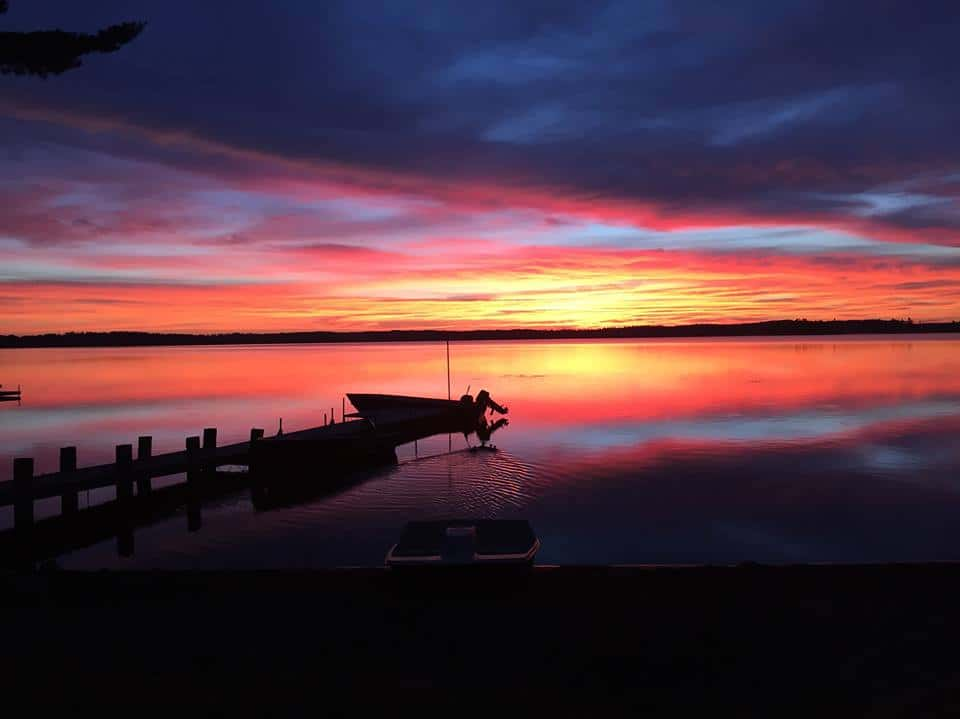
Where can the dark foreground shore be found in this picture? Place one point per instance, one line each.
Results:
(763, 641)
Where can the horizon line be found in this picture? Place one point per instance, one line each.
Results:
(780, 327)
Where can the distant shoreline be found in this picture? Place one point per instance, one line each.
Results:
(773, 328)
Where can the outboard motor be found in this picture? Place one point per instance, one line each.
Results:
(484, 401)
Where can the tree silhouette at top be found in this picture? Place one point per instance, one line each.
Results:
(52, 52)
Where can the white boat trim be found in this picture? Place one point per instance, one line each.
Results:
(477, 558)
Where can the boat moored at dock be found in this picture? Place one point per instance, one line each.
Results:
(380, 424)
(391, 408)
(302, 463)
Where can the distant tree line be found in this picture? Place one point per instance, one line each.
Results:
(799, 327)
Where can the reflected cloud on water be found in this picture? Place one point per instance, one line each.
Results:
(619, 452)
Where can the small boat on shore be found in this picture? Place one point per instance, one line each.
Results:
(465, 542)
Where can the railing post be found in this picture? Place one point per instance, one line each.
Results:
(124, 469)
(210, 438)
(194, 470)
(209, 455)
(23, 511)
(23, 495)
(256, 435)
(193, 459)
(69, 500)
(124, 472)
(144, 451)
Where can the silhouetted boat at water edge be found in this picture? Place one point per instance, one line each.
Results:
(384, 422)
(368, 402)
(392, 408)
(465, 543)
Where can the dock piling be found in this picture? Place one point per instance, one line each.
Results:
(69, 500)
(210, 438)
(23, 493)
(23, 511)
(124, 453)
(124, 472)
(194, 470)
(193, 459)
(209, 451)
(144, 451)
(256, 489)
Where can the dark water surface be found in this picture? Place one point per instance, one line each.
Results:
(638, 451)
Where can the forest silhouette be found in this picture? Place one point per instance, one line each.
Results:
(750, 329)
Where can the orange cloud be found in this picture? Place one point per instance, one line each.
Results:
(417, 252)
(523, 287)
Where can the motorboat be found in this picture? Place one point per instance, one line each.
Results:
(383, 409)
(464, 542)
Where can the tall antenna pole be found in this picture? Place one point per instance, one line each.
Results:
(449, 436)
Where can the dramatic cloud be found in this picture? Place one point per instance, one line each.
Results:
(419, 164)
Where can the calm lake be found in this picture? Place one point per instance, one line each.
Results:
(636, 451)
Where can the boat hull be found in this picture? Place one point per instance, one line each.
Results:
(413, 413)
(379, 403)
(464, 542)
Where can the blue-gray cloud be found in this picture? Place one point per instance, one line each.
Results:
(766, 109)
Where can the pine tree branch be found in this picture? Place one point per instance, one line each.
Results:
(52, 52)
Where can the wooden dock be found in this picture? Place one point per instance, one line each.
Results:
(132, 478)
(71, 479)
(309, 462)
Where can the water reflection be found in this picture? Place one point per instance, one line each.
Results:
(632, 451)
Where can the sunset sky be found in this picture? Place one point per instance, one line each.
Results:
(359, 165)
